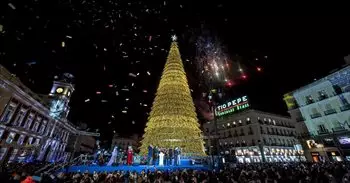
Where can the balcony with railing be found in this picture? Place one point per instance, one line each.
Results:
(330, 111)
(338, 129)
(315, 115)
(322, 97)
(323, 132)
(309, 101)
(345, 107)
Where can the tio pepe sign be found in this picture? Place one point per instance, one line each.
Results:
(232, 106)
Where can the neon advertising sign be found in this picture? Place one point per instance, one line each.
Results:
(232, 106)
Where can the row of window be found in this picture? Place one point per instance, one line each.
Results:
(329, 110)
(263, 130)
(321, 95)
(30, 120)
(20, 139)
(248, 121)
(277, 131)
(269, 141)
(235, 133)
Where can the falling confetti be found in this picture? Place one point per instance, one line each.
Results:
(132, 75)
(12, 6)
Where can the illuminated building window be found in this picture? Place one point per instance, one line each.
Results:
(42, 128)
(1, 132)
(10, 137)
(234, 123)
(309, 100)
(30, 140)
(29, 121)
(248, 119)
(20, 140)
(36, 126)
(37, 142)
(48, 129)
(6, 118)
(19, 118)
(322, 95)
(3, 151)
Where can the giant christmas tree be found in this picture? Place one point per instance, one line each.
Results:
(173, 121)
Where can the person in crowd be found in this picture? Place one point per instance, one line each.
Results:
(130, 156)
(170, 157)
(327, 172)
(150, 155)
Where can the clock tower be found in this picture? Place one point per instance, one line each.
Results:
(59, 95)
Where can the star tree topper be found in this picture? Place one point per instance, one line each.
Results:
(174, 37)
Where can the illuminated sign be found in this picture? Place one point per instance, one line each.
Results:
(232, 106)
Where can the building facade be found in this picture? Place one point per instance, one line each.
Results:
(33, 127)
(322, 111)
(256, 136)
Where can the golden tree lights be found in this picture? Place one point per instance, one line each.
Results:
(173, 121)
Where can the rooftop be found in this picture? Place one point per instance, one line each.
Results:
(332, 74)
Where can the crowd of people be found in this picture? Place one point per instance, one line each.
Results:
(252, 173)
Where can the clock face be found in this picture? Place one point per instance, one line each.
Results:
(59, 90)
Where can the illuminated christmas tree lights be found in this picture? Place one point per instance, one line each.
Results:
(173, 121)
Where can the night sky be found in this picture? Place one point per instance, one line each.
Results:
(117, 49)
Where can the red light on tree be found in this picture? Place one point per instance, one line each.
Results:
(98, 92)
(244, 76)
(259, 69)
(110, 86)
